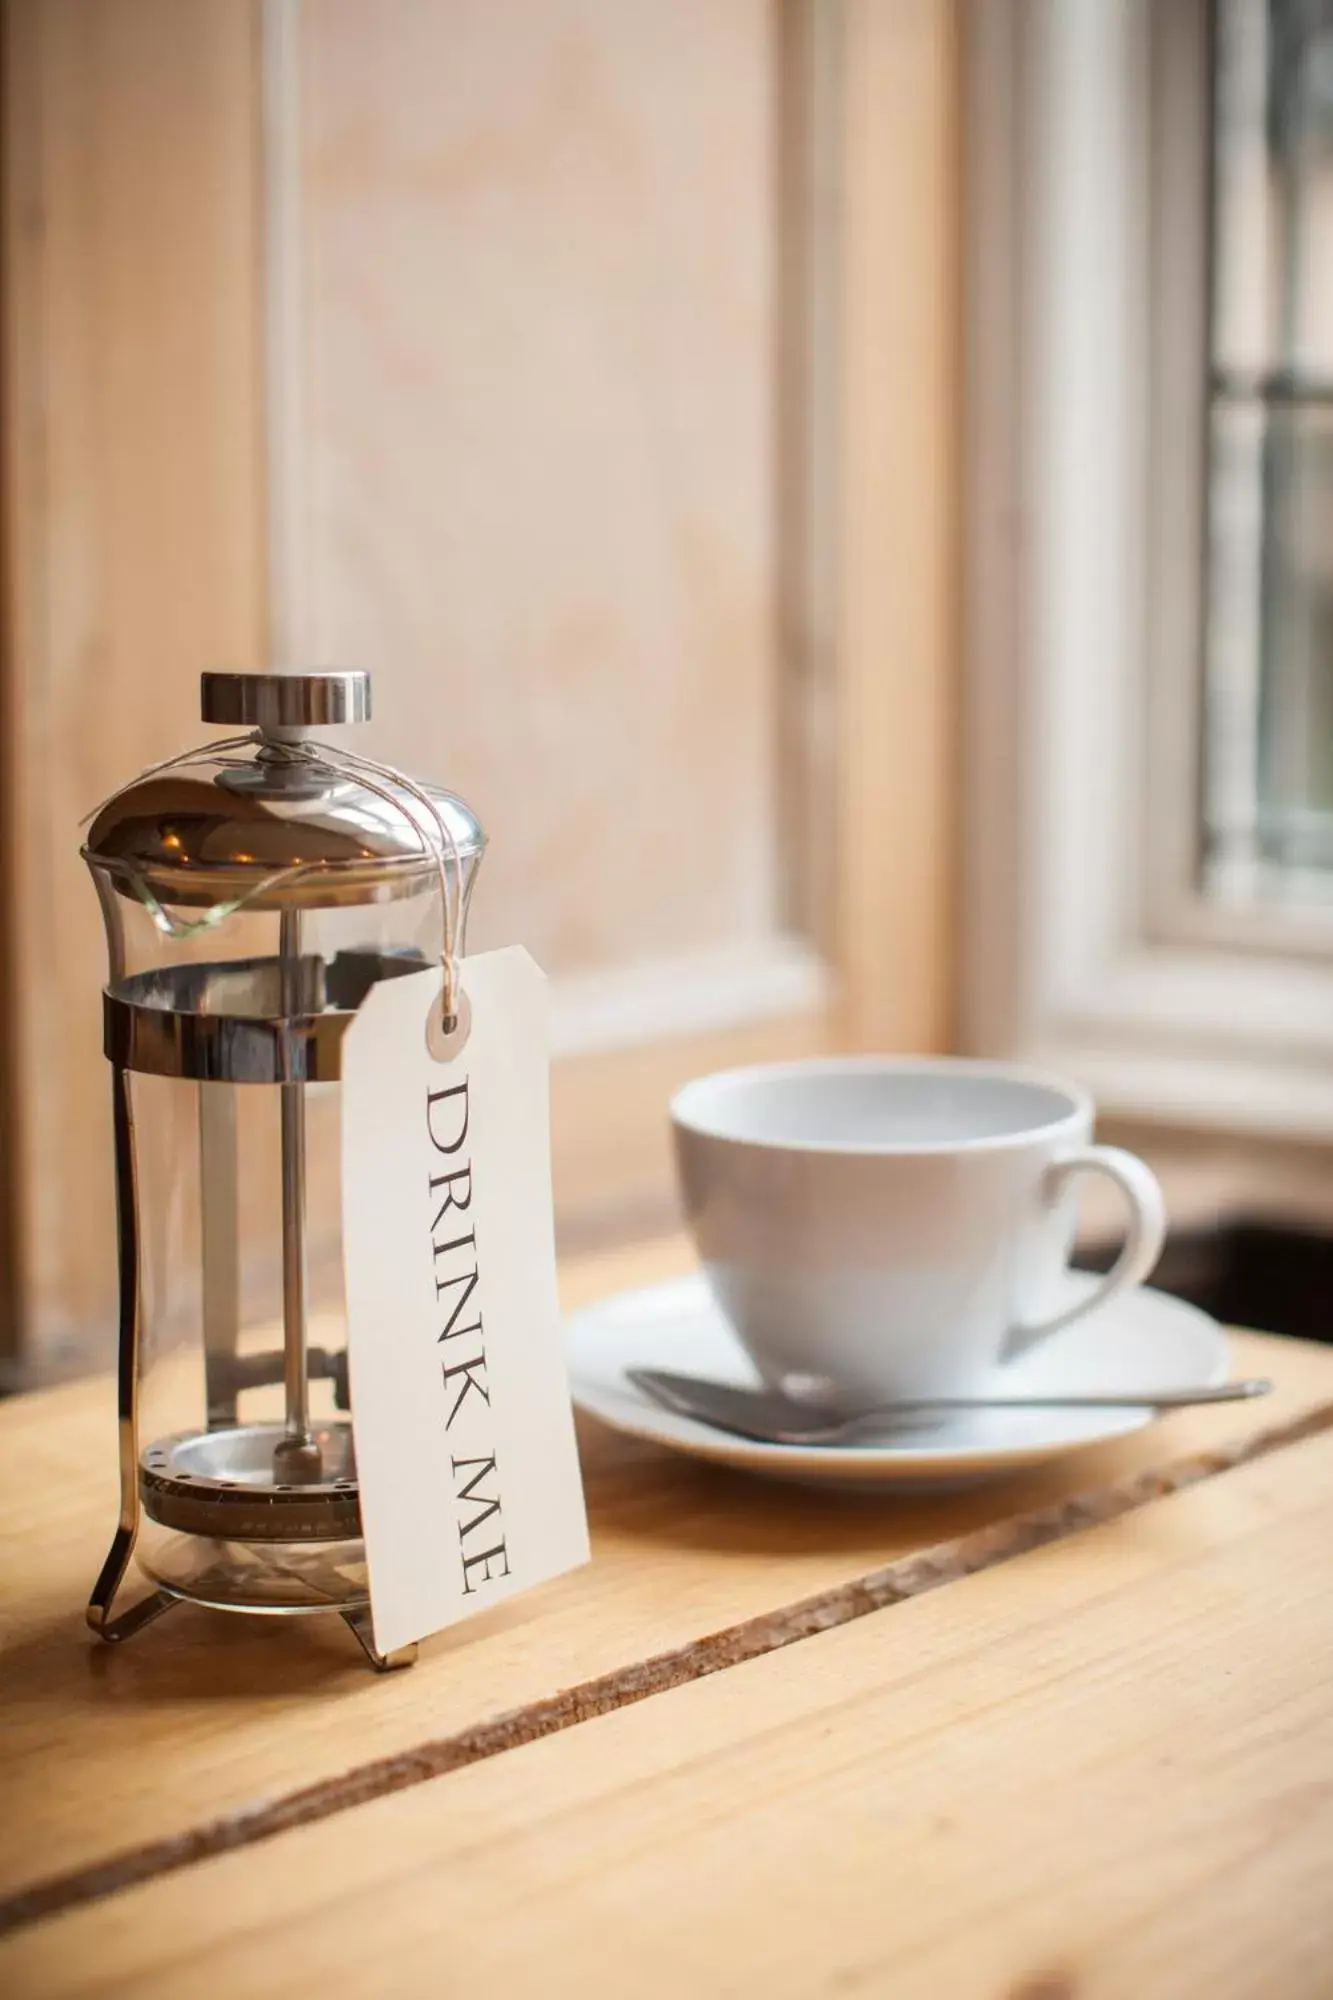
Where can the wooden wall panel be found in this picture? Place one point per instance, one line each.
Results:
(632, 495)
(540, 257)
(134, 511)
(898, 642)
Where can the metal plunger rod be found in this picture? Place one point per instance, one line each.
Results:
(300, 1450)
(293, 1259)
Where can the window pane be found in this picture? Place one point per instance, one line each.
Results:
(1269, 723)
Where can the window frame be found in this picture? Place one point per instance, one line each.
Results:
(1087, 943)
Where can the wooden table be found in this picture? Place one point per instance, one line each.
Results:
(1068, 1735)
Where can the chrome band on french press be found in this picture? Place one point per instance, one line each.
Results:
(223, 1022)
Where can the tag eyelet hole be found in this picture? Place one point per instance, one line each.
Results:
(444, 1044)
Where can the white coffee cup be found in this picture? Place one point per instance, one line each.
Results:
(893, 1227)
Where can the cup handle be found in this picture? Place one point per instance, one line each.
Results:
(1143, 1238)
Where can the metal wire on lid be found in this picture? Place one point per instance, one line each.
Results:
(284, 707)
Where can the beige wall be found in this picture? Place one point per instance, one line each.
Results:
(641, 513)
(539, 244)
(133, 513)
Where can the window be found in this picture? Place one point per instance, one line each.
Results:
(1148, 842)
(1268, 796)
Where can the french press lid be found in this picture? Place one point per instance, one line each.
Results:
(266, 819)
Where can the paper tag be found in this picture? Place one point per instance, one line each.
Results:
(465, 1451)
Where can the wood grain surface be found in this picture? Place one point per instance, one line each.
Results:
(207, 1729)
(1102, 1770)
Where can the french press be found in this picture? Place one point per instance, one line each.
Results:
(254, 890)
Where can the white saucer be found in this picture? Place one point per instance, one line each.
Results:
(1144, 1341)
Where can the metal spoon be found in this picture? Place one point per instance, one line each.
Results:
(772, 1418)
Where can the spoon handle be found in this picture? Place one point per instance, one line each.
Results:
(1154, 1399)
(865, 1422)
(770, 1416)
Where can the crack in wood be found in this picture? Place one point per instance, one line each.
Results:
(907, 1577)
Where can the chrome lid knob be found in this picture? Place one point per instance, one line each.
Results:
(281, 702)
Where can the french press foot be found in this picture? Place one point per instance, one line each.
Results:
(113, 1630)
(237, 1541)
(358, 1624)
(135, 1616)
